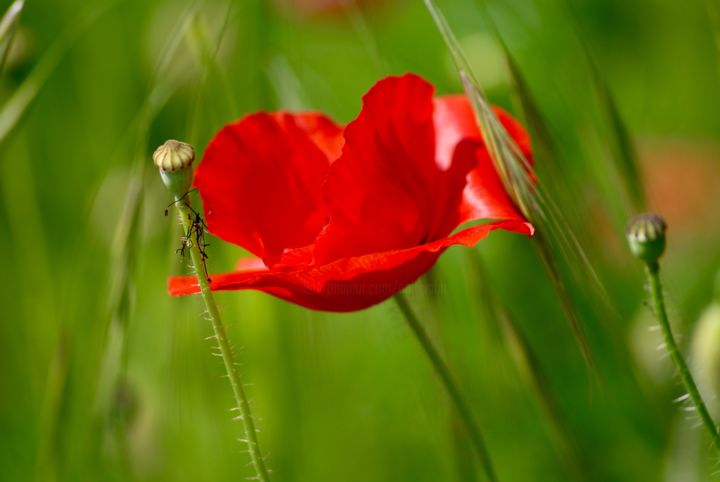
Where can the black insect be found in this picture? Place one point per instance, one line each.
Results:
(180, 199)
(195, 234)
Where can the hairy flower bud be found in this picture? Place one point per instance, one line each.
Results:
(174, 159)
(646, 236)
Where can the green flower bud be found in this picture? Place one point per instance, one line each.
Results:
(174, 159)
(646, 236)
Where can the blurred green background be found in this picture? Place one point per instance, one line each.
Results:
(103, 377)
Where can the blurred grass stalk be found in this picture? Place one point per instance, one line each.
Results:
(358, 18)
(45, 332)
(529, 368)
(24, 213)
(46, 464)
(610, 125)
(619, 143)
(530, 371)
(465, 464)
(124, 246)
(193, 30)
(8, 26)
(553, 235)
(624, 166)
(450, 385)
(15, 107)
(206, 52)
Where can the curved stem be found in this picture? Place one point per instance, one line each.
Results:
(450, 386)
(653, 274)
(226, 352)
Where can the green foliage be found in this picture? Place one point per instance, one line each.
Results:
(104, 377)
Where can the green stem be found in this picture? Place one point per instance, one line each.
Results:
(243, 406)
(450, 386)
(653, 274)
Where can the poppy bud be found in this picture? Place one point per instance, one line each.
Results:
(706, 356)
(646, 236)
(174, 159)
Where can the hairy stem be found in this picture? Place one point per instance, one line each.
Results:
(450, 385)
(233, 374)
(653, 275)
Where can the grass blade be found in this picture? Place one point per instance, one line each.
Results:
(545, 146)
(554, 234)
(8, 27)
(613, 130)
(206, 55)
(530, 371)
(123, 251)
(622, 151)
(16, 106)
(55, 387)
(286, 85)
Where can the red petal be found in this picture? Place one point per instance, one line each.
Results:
(387, 191)
(484, 196)
(347, 284)
(250, 265)
(261, 181)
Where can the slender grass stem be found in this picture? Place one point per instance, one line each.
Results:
(450, 386)
(228, 357)
(652, 269)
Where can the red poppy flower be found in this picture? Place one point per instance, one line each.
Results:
(341, 219)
